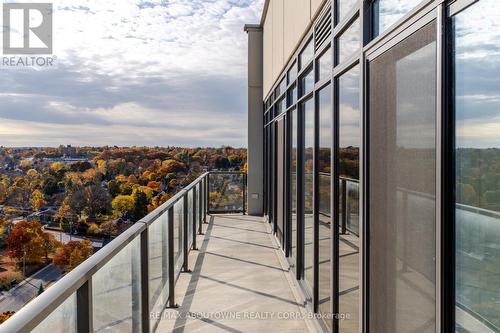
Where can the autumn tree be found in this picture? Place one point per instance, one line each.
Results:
(72, 254)
(37, 200)
(122, 205)
(90, 200)
(27, 238)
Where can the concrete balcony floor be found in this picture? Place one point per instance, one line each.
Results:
(238, 271)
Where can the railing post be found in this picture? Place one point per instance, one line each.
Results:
(145, 281)
(207, 197)
(244, 193)
(344, 207)
(195, 216)
(164, 249)
(200, 208)
(84, 316)
(185, 222)
(171, 263)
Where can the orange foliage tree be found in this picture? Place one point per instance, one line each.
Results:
(28, 238)
(72, 254)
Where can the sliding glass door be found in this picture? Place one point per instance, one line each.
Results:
(280, 180)
(402, 186)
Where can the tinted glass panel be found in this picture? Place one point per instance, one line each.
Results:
(477, 106)
(308, 169)
(307, 54)
(349, 42)
(280, 158)
(349, 145)
(280, 88)
(324, 65)
(292, 95)
(402, 186)
(325, 175)
(280, 106)
(293, 185)
(307, 83)
(343, 7)
(387, 12)
(292, 73)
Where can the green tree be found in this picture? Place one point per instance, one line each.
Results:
(140, 205)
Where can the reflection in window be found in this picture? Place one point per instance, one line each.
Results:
(280, 106)
(324, 67)
(477, 211)
(292, 73)
(349, 42)
(349, 144)
(325, 174)
(343, 7)
(292, 95)
(402, 186)
(281, 87)
(307, 83)
(308, 169)
(306, 55)
(293, 185)
(387, 12)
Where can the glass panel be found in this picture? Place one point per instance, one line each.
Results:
(280, 158)
(352, 223)
(190, 218)
(349, 42)
(387, 12)
(293, 185)
(280, 88)
(349, 144)
(402, 185)
(308, 169)
(343, 7)
(116, 290)
(283, 103)
(306, 55)
(477, 106)
(292, 96)
(226, 192)
(325, 65)
(307, 83)
(292, 73)
(325, 176)
(62, 319)
(178, 237)
(158, 265)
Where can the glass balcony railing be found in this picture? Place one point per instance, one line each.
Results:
(227, 192)
(125, 286)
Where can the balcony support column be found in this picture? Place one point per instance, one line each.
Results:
(255, 121)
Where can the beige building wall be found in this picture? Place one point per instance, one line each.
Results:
(285, 24)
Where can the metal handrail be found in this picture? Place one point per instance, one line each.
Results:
(77, 281)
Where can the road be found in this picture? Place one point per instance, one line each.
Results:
(20, 295)
(65, 238)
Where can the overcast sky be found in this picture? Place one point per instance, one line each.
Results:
(132, 72)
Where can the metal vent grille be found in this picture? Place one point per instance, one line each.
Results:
(323, 27)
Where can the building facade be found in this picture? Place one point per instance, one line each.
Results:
(377, 126)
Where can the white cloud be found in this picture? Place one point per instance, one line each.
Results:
(136, 66)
